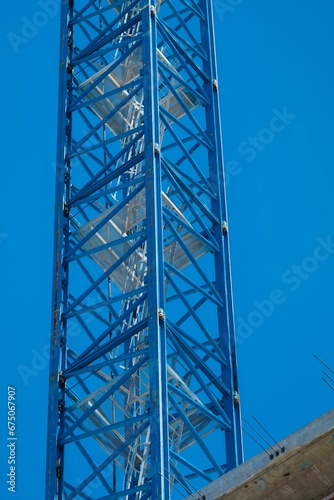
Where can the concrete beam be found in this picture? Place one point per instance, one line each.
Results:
(304, 471)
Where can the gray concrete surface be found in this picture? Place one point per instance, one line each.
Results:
(304, 471)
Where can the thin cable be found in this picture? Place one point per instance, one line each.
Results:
(271, 456)
(189, 491)
(323, 362)
(257, 432)
(256, 420)
(330, 378)
(326, 381)
(179, 491)
(192, 486)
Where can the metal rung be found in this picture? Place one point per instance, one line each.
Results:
(129, 115)
(130, 274)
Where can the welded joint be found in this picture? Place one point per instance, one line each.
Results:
(215, 84)
(224, 227)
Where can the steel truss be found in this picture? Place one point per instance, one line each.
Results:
(143, 378)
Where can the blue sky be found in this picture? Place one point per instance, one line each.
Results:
(276, 80)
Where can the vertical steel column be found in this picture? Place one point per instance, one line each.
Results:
(55, 454)
(155, 271)
(234, 446)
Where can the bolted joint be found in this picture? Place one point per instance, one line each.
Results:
(156, 148)
(215, 84)
(236, 398)
(61, 381)
(224, 226)
(58, 468)
(161, 315)
(152, 11)
(66, 210)
(60, 405)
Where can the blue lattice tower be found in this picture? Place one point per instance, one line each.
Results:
(143, 377)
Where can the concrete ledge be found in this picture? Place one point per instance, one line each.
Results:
(304, 471)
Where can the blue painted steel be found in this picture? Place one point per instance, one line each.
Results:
(56, 394)
(234, 450)
(155, 273)
(143, 380)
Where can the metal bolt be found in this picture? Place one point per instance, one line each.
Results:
(61, 381)
(58, 470)
(224, 227)
(161, 314)
(215, 84)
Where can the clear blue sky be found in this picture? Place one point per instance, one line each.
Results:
(276, 86)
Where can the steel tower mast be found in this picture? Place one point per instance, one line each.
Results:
(143, 395)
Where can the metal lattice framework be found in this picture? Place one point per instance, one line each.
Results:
(143, 379)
